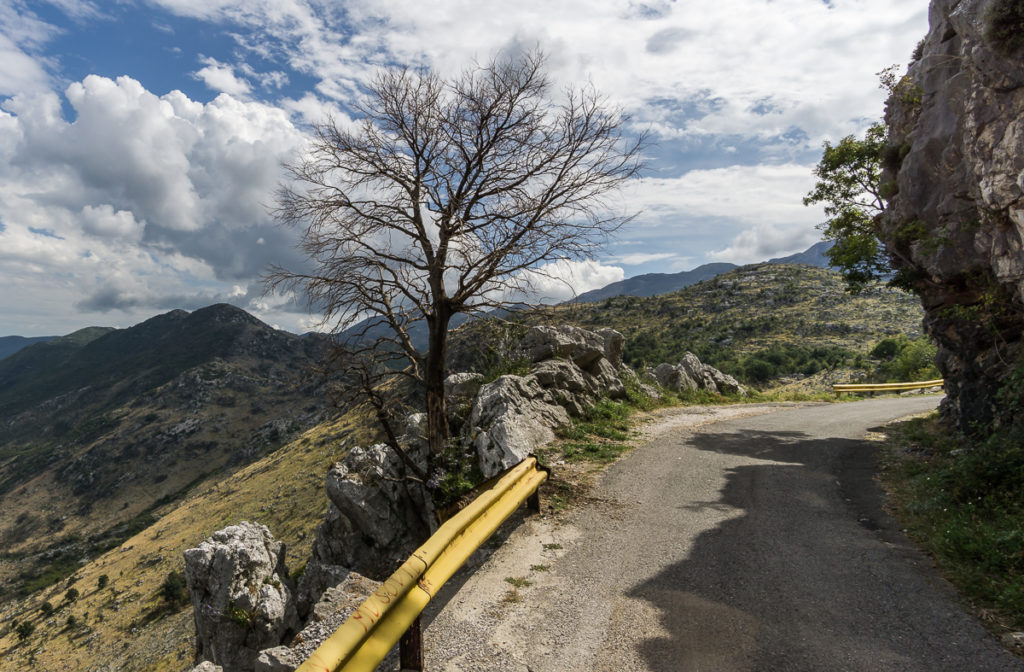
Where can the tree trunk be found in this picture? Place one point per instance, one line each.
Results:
(433, 379)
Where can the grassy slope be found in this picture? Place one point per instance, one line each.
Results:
(283, 491)
(746, 310)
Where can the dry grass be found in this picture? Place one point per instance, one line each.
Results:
(125, 624)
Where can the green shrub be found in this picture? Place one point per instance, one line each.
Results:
(886, 349)
(173, 590)
(1004, 26)
(24, 630)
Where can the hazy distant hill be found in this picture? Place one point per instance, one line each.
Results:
(815, 255)
(98, 426)
(653, 284)
(11, 344)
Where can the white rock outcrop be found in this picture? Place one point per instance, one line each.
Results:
(376, 517)
(691, 374)
(241, 599)
(511, 417)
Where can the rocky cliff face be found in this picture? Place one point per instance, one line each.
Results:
(955, 182)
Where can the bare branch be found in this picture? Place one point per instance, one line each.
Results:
(448, 197)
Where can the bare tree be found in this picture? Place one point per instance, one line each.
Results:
(448, 197)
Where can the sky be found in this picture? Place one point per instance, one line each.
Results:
(141, 141)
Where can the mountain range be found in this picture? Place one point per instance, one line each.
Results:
(100, 426)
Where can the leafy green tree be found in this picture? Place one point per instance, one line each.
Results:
(71, 595)
(102, 582)
(848, 176)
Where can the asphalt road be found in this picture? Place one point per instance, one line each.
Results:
(753, 543)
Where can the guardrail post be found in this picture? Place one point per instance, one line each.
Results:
(533, 501)
(410, 648)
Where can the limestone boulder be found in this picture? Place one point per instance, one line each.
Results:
(691, 374)
(241, 598)
(336, 604)
(377, 516)
(461, 387)
(614, 345)
(207, 666)
(581, 346)
(698, 372)
(673, 378)
(608, 381)
(511, 417)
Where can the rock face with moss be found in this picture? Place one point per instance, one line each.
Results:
(955, 182)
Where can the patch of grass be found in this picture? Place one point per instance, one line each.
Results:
(578, 451)
(964, 503)
(606, 420)
(512, 596)
(518, 581)
(540, 568)
(552, 547)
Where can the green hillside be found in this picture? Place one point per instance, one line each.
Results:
(797, 318)
(100, 428)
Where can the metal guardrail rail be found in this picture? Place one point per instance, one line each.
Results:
(362, 641)
(886, 387)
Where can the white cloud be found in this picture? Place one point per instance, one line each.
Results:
(159, 198)
(153, 202)
(105, 222)
(221, 77)
(745, 194)
(764, 241)
(22, 35)
(564, 279)
(639, 258)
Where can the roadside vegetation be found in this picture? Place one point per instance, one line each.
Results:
(962, 500)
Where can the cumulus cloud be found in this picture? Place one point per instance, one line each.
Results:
(157, 198)
(158, 201)
(221, 77)
(757, 209)
(103, 221)
(807, 54)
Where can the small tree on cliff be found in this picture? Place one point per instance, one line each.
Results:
(448, 196)
(848, 176)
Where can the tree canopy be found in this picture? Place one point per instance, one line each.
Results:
(848, 186)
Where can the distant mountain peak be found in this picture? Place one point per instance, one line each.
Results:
(225, 312)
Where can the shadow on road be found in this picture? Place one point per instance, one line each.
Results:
(812, 576)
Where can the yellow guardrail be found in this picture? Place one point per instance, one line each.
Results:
(362, 641)
(886, 387)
